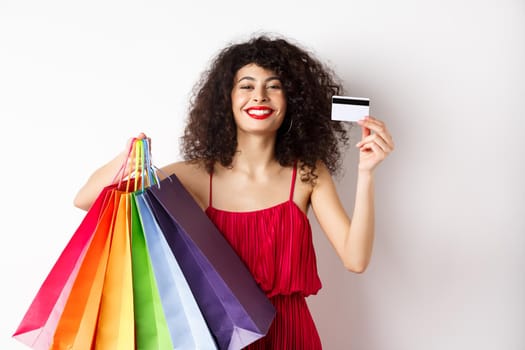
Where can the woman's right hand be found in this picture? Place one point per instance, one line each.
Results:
(105, 176)
(127, 165)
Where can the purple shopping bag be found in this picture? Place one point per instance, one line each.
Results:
(235, 308)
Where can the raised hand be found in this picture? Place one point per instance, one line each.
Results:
(375, 145)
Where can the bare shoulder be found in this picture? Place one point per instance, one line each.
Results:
(184, 168)
(304, 188)
(193, 176)
(324, 192)
(321, 177)
(320, 174)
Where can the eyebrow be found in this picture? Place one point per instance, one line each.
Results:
(253, 79)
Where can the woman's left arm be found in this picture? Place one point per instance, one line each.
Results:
(353, 238)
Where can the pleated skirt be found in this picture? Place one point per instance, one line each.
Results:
(293, 327)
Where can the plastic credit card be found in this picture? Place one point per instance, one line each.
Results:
(350, 109)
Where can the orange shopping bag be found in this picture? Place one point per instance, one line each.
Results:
(76, 327)
(116, 327)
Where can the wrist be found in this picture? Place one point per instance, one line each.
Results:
(365, 174)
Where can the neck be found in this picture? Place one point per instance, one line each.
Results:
(254, 152)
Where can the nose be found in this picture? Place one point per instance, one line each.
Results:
(259, 95)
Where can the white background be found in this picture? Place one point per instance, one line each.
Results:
(77, 79)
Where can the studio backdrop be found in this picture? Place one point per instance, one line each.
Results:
(77, 79)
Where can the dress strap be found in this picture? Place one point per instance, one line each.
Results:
(292, 186)
(209, 198)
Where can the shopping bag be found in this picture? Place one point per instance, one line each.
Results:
(116, 321)
(86, 302)
(237, 311)
(187, 326)
(77, 324)
(150, 322)
(99, 310)
(115, 325)
(38, 324)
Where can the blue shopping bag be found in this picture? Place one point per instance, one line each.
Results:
(186, 324)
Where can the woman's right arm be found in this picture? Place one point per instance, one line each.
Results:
(101, 178)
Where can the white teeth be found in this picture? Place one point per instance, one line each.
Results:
(259, 111)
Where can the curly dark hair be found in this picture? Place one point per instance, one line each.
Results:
(210, 135)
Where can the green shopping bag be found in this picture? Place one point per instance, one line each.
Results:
(150, 323)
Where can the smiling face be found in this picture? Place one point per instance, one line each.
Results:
(258, 100)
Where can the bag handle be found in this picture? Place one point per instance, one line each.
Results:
(140, 167)
(151, 169)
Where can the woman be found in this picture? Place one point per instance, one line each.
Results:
(260, 149)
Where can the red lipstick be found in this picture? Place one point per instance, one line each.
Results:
(259, 112)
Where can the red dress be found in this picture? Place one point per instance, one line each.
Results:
(276, 245)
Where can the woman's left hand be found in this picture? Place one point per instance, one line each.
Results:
(375, 145)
